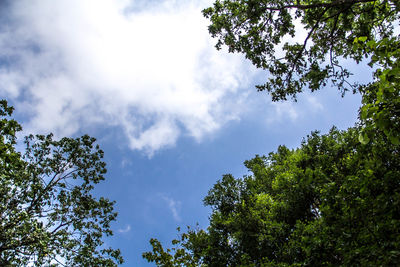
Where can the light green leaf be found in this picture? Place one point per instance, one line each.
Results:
(363, 138)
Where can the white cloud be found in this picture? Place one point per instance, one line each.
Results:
(173, 206)
(314, 103)
(150, 69)
(283, 111)
(306, 105)
(125, 230)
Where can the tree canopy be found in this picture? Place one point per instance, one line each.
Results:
(48, 214)
(359, 30)
(334, 201)
(258, 29)
(331, 202)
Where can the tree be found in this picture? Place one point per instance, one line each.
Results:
(258, 28)
(336, 30)
(48, 215)
(331, 202)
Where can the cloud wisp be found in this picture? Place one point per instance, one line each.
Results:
(124, 230)
(173, 206)
(151, 70)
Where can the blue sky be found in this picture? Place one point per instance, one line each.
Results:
(171, 113)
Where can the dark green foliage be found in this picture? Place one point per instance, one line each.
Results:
(332, 202)
(381, 98)
(48, 216)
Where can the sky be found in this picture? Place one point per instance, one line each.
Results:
(171, 112)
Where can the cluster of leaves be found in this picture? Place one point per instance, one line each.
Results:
(48, 215)
(381, 98)
(256, 28)
(333, 201)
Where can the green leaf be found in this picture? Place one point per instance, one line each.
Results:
(362, 38)
(394, 139)
(363, 138)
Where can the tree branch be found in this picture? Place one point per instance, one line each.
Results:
(318, 5)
